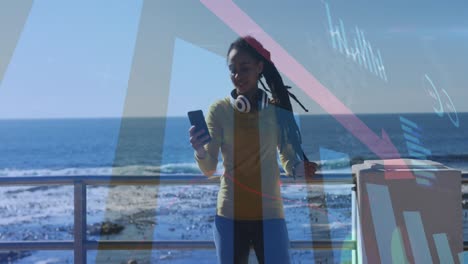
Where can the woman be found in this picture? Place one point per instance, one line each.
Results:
(249, 129)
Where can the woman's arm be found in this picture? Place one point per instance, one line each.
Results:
(292, 164)
(207, 155)
(288, 159)
(295, 167)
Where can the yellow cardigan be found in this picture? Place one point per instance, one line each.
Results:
(249, 143)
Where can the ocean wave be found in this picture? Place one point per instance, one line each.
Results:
(457, 161)
(8, 172)
(172, 169)
(169, 169)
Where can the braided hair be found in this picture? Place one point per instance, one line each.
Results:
(289, 131)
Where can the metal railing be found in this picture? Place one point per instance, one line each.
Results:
(80, 245)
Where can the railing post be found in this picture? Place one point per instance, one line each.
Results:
(80, 222)
(354, 225)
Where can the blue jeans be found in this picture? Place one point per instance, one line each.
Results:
(233, 239)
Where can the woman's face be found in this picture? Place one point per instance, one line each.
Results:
(245, 70)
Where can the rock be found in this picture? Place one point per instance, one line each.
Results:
(132, 261)
(315, 199)
(105, 228)
(36, 188)
(10, 256)
(166, 256)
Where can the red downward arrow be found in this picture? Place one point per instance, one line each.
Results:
(243, 25)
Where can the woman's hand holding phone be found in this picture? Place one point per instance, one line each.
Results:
(198, 138)
(199, 134)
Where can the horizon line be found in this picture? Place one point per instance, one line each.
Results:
(183, 116)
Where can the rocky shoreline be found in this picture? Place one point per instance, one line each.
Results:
(145, 213)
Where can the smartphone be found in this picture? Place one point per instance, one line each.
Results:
(198, 120)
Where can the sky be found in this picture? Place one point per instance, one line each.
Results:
(91, 59)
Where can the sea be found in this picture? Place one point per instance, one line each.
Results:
(160, 146)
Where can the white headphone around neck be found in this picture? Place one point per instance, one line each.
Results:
(242, 104)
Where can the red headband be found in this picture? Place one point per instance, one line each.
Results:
(258, 47)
